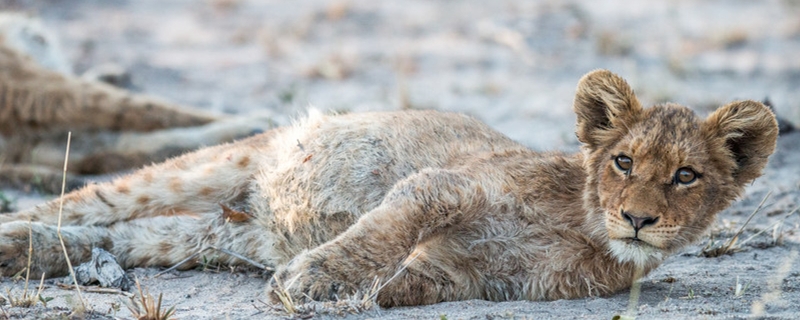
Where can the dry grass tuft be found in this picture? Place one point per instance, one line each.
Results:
(357, 303)
(740, 289)
(777, 234)
(283, 295)
(144, 307)
(26, 300)
(715, 249)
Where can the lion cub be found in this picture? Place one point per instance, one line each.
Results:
(451, 208)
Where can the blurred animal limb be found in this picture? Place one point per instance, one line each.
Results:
(114, 129)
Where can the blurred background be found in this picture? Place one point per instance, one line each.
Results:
(513, 64)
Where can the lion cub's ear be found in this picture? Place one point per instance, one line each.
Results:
(746, 132)
(606, 106)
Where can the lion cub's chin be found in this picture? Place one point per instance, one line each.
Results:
(640, 253)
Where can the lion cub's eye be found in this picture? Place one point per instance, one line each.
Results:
(623, 163)
(685, 176)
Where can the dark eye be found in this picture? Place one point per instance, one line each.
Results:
(623, 163)
(685, 176)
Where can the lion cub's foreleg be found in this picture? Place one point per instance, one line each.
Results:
(384, 240)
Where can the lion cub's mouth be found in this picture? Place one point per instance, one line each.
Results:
(638, 251)
(635, 241)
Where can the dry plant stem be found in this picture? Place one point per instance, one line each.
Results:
(96, 290)
(158, 306)
(403, 268)
(373, 289)
(226, 251)
(772, 226)
(741, 229)
(146, 310)
(243, 258)
(636, 288)
(60, 210)
(30, 254)
(172, 268)
(39, 290)
(285, 297)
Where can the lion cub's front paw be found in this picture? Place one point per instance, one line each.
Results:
(306, 278)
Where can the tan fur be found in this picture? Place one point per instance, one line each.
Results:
(335, 202)
(113, 129)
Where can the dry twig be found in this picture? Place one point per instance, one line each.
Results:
(731, 246)
(58, 228)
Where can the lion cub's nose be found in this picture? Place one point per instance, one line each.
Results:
(638, 222)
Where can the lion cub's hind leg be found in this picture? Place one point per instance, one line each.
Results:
(153, 217)
(167, 241)
(150, 242)
(194, 183)
(48, 256)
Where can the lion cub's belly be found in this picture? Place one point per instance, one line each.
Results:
(323, 174)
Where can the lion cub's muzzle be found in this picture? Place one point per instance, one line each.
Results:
(638, 221)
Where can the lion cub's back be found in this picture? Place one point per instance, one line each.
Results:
(347, 163)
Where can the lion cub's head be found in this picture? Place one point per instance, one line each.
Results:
(658, 176)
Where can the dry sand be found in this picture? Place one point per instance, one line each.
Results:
(513, 64)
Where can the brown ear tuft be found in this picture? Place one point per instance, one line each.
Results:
(605, 106)
(747, 132)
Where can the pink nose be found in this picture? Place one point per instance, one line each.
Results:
(638, 222)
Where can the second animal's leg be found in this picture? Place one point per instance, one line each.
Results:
(127, 150)
(38, 99)
(39, 178)
(106, 152)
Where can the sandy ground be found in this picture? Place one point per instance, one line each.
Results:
(513, 64)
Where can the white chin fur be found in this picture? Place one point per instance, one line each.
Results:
(639, 253)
